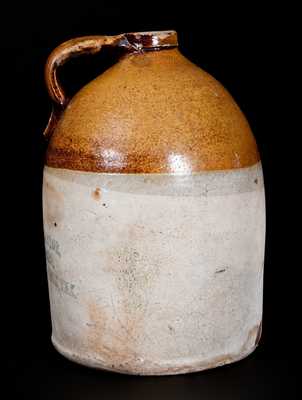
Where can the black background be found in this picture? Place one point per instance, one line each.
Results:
(246, 47)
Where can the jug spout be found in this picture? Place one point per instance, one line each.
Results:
(154, 40)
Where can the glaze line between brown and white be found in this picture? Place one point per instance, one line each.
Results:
(155, 273)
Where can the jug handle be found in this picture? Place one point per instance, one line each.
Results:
(61, 54)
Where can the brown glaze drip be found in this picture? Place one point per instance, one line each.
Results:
(152, 112)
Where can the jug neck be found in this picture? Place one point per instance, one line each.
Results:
(154, 40)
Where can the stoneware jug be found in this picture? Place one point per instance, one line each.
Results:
(154, 213)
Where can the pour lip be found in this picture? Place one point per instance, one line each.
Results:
(151, 40)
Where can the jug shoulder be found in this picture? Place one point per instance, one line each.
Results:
(152, 112)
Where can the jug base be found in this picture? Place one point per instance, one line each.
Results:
(164, 368)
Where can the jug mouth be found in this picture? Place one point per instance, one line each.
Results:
(151, 40)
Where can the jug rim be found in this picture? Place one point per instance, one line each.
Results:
(151, 39)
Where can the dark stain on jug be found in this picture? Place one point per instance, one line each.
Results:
(97, 194)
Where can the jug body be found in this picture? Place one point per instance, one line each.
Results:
(154, 217)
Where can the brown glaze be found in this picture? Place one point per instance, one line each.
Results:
(152, 112)
(67, 50)
(97, 194)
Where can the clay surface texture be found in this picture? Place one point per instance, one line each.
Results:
(155, 273)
